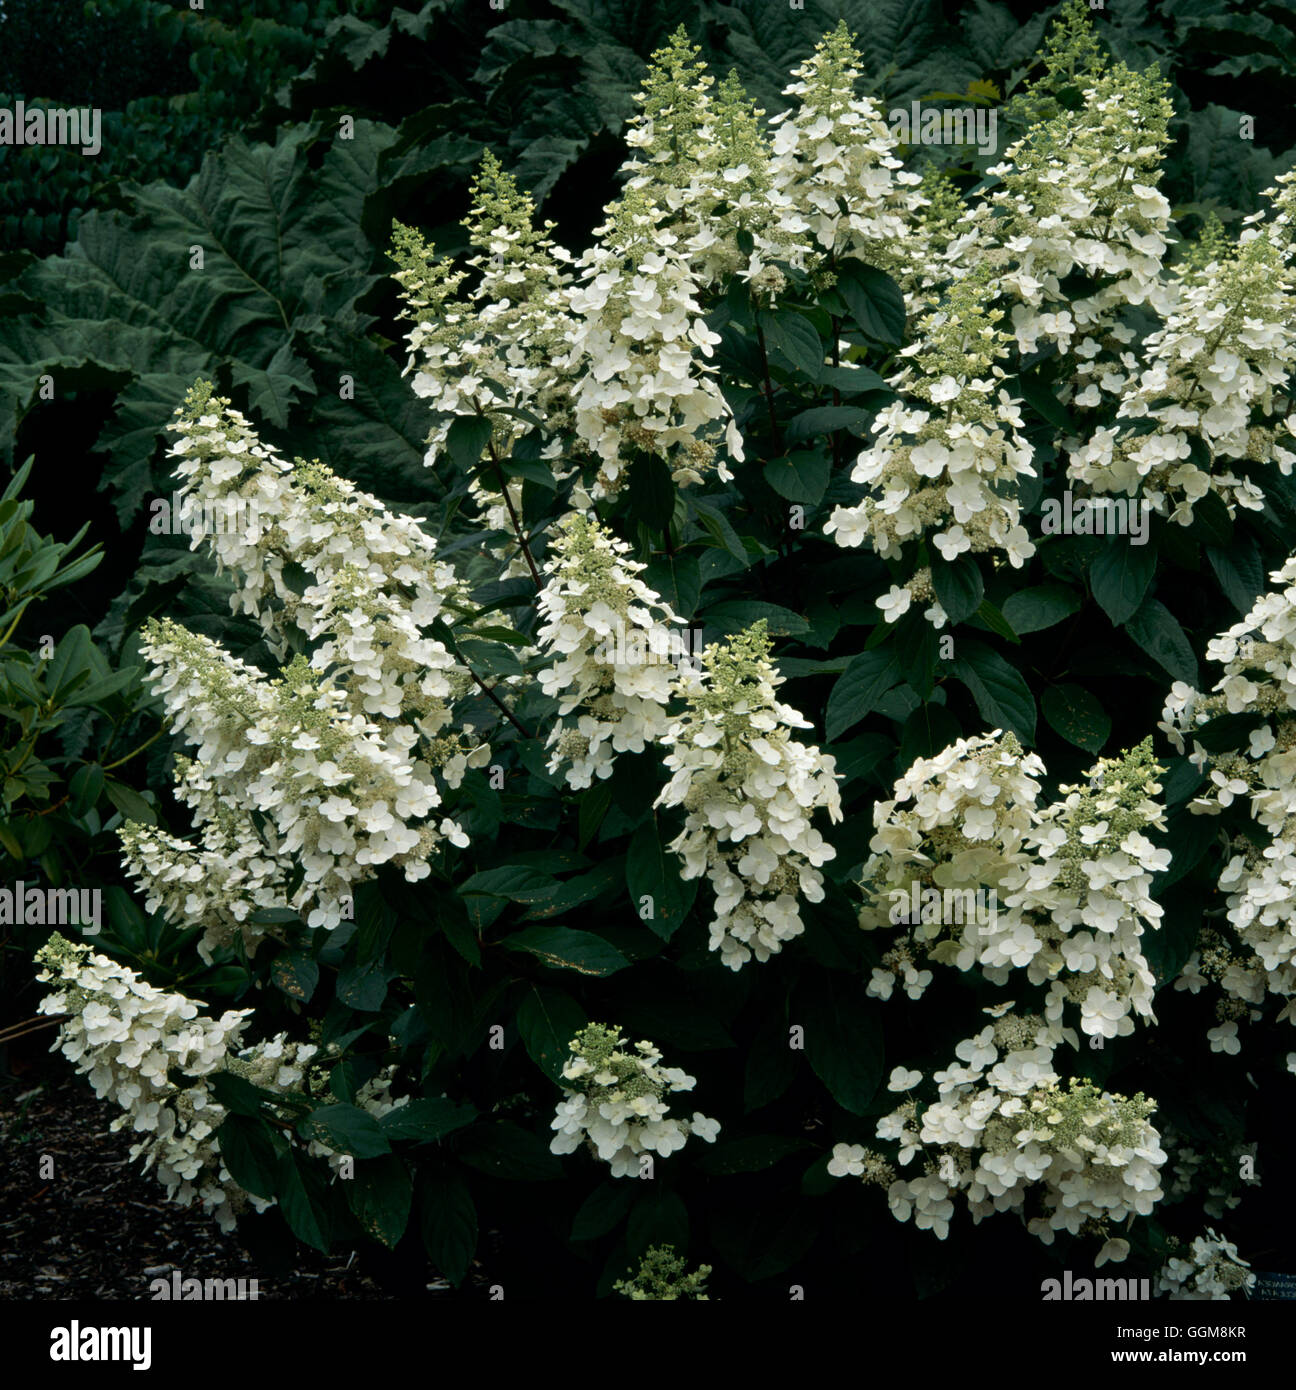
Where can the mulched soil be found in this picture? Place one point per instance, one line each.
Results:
(101, 1229)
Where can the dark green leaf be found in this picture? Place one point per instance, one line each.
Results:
(86, 784)
(448, 1220)
(380, 1194)
(296, 973)
(129, 802)
(1001, 694)
(466, 441)
(246, 1150)
(843, 1038)
(1075, 714)
(505, 1150)
(658, 895)
(659, 1217)
(300, 1198)
(565, 949)
(651, 492)
(736, 615)
(824, 419)
(1240, 571)
(794, 336)
(1120, 577)
(603, 1210)
(1032, 610)
(750, 1155)
(426, 1120)
(235, 1093)
(856, 693)
(349, 1130)
(1038, 394)
(959, 587)
(801, 476)
(1156, 630)
(988, 614)
(548, 1020)
(874, 300)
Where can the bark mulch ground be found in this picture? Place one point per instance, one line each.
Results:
(101, 1229)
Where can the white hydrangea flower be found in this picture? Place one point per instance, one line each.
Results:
(271, 759)
(750, 791)
(704, 159)
(1007, 1127)
(843, 187)
(1212, 1270)
(128, 1036)
(1071, 882)
(641, 339)
(499, 352)
(319, 556)
(1203, 403)
(1254, 955)
(946, 459)
(616, 1104)
(1079, 197)
(330, 769)
(610, 639)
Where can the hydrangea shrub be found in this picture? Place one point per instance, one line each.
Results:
(516, 808)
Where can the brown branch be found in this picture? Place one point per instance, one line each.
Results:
(513, 516)
(490, 692)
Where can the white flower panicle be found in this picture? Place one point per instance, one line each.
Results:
(1204, 403)
(947, 459)
(129, 1037)
(663, 1277)
(1280, 228)
(617, 1104)
(360, 583)
(608, 635)
(641, 340)
(126, 1036)
(1214, 1178)
(750, 791)
(316, 778)
(835, 167)
(1071, 881)
(334, 796)
(704, 159)
(1005, 1132)
(1209, 1270)
(1255, 955)
(1079, 197)
(497, 353)
(235, 870)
